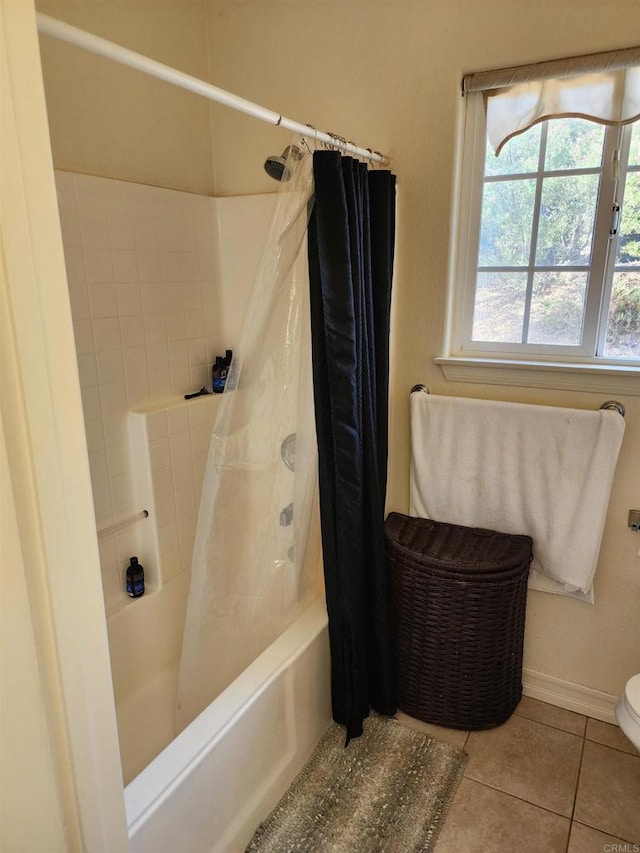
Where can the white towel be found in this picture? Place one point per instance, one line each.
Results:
(539, 470)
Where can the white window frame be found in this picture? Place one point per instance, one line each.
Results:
(552, 366)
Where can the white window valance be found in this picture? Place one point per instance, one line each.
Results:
(600, 87)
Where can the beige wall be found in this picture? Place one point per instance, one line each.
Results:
(386, 74)
(114, 122)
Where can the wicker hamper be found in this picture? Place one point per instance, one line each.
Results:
(458, 608)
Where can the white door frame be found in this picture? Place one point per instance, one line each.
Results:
(41, 411)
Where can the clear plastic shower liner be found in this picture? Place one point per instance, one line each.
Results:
(252, 572)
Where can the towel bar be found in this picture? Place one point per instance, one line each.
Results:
(122, 525)
(613, 405)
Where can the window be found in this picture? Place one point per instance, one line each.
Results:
(549, 243)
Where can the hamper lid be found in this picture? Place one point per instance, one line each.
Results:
(440, 544)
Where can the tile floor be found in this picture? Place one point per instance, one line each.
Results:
(547, 781)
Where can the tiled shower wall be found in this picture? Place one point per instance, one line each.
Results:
(141, 270)
(171, 448)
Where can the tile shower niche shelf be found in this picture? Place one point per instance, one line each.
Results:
(166, 404)
(169, 441)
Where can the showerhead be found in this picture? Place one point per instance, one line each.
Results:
(276, 167)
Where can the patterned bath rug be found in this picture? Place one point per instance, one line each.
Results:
(388, 792)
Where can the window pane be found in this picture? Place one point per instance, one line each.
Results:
(557, 308)
(519, 155)
(634, 151)
(507, 215)
(623, 325)
(499, 307)
(574, 143)
(567, 215)
(629, 239)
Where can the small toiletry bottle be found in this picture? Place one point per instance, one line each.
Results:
(135, 579)
(219, 375)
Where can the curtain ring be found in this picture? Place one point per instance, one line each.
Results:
(315, 137)
(339, 142)
(303, 141)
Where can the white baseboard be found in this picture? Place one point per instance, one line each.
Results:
(566, 694)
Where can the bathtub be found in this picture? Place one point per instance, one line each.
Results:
(212, 785)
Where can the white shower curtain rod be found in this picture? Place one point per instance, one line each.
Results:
(65, 32)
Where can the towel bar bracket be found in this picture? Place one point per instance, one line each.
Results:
(614, 406)
(424, 388)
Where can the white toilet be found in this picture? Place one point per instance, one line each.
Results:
(628, 711)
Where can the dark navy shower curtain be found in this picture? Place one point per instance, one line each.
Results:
(351, 241)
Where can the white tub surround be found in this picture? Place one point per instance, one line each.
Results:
(146, 268)
(211, 787)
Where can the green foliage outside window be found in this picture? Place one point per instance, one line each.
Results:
(561, 236)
